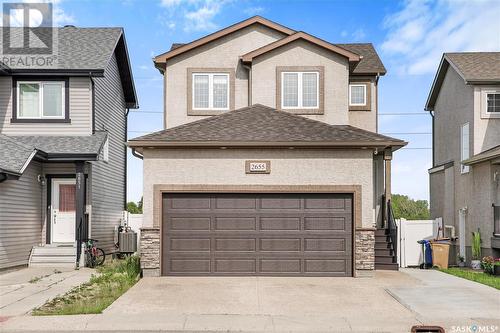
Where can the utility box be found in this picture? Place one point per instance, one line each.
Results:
(127, 242)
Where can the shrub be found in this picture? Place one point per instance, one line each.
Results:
(476, 245)
(487, 264)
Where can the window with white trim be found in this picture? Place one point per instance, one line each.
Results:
(464, 146)
(210, 91)
(299, 90)
(493, 102)
(40, 100)
(357, 94)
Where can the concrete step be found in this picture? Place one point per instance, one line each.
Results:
(381, 232)
(383, 252)
(384, 238)
(386, 266)
(382, 245)
(53, 256)
(46, 250)
(385, 259)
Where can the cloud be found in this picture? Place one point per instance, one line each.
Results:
(421, 31)
(193, 15)
(354, 36)
(250, 11)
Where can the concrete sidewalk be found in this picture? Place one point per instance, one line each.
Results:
(25, 289)
(389, 302)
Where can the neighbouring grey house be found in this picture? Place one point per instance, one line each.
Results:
(62, 148)
(464, 102)
(270, 162)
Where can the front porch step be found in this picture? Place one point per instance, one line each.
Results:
(385, 259)
(383, 252)
(53, 256)
(386, 266)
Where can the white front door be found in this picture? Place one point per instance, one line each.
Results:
(63, 210)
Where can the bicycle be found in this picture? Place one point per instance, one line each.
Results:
(94, 256)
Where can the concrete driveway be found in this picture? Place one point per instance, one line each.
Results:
(389, 302)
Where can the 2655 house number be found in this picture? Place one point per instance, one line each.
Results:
(258, 166)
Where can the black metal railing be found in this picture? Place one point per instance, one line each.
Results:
(392, 228)
(496, 220)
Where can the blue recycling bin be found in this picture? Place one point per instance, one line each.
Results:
(426, 254)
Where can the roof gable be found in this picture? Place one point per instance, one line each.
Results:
(353, 57)
(181, 48)
(473, 67)
(259, 125)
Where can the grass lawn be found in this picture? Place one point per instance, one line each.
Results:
(113, 279)
(476, 276)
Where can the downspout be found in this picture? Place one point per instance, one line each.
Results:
(249, 92)
(432, 115)
(126, 162)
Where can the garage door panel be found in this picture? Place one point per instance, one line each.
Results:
(235, 203)
(235, 223)
(188, 202)
(186, 265)
(189, 223)
(279, 223)
(325, 265)
(257, 234)
(324, 223)
(235, 265)
(280, 266)
(235, 244)
(280, 244)
(280, 203)
(325, 244)
(189, 244)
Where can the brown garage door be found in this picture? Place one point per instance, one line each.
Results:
(257, 234)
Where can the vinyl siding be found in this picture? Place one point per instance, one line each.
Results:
(20, 217)
(108, 178)
(80, 108)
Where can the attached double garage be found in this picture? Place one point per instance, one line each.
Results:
(259, 192)
(273, 234)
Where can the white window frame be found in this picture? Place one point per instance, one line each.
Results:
(350, 94)
(464, 168)
(299, 92)
(486, 93)
(40, 99)
(210, 91)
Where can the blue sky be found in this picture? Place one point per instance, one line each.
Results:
(410, 37)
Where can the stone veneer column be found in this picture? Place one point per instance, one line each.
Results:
(150, 251)
(365, 252)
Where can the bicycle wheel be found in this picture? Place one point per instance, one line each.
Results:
(99, 257)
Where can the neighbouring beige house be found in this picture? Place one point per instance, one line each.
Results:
(464, 181)
(270, 162)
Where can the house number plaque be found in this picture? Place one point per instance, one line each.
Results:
(258, 166)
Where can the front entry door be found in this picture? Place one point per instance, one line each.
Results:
(63, 210)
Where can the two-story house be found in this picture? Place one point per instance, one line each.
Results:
(62, 148)
(464, 102)
(270, 162)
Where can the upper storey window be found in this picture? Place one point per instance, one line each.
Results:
(210, 91)
(493, 102)
(357, 94)
(299, 90)
(36, 100)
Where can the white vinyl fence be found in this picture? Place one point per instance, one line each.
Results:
(411, 231)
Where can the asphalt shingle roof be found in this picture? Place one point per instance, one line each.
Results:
(370, 63)
(77, 48)
(260, 124)
(13, 155)
(480, 66)
(16, 150)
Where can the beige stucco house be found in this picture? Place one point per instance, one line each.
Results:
(464, 181)
(270, 162)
